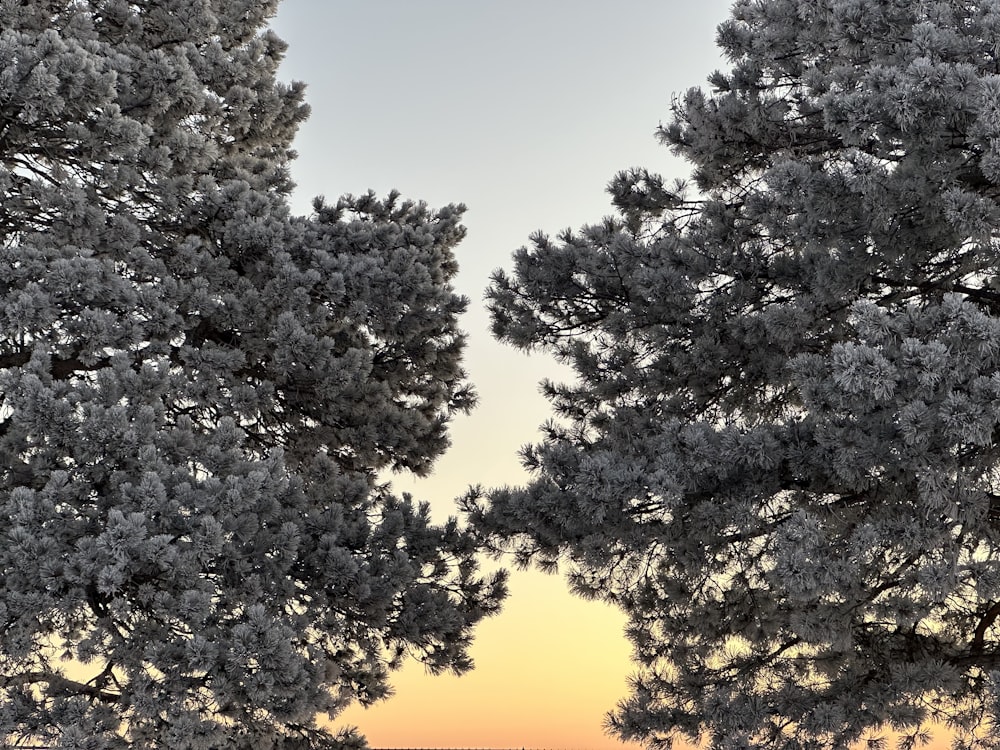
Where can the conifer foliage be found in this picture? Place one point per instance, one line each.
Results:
(780, 452)
(197, 392)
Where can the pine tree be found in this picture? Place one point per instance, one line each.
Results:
(199, 392)
(780, 452)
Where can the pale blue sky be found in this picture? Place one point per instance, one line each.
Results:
(523, 110)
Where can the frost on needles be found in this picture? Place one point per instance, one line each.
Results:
(197, 392)
(780, 455)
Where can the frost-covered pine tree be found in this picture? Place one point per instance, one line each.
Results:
(781, 452)
(198, 391)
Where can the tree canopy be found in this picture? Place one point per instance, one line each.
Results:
(198, 392)
(779, 455)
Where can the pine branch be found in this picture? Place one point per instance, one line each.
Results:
(979, 635)
(59, 684)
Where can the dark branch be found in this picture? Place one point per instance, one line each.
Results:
(59, 684)
(979, 636)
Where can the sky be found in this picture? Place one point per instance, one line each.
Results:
(523, 110)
